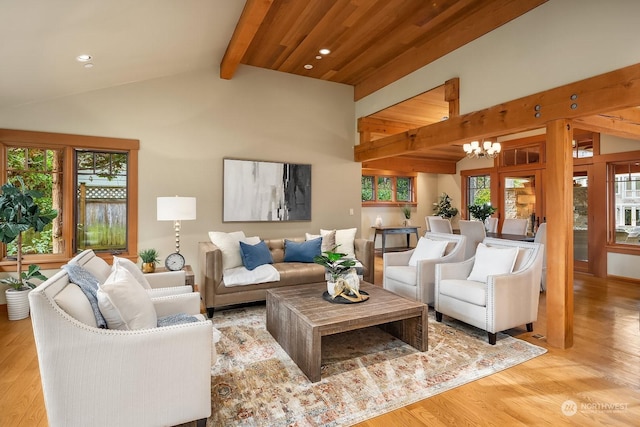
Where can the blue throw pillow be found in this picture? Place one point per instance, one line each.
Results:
(255, 255)
(302, 252)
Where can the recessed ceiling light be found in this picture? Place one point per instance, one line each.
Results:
(325, 51)
(88, 65)
(83, 58)
(319, 57)
(308, 66)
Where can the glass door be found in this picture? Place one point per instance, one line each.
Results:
(521, 199)
(581, 219)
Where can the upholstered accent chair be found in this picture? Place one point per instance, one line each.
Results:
(92, 376)
(475, 233)
(439, 225)
(514, 226)
(497, 289)
(411, 275)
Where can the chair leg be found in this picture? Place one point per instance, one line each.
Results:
(210, 312)
(438, 316)
(529, 327)
(202, 422)
(492, 338)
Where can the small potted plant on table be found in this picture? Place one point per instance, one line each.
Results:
(338, 267)
(149, 259)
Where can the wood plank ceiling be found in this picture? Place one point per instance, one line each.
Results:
(373, 43)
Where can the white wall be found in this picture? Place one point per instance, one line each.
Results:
(187, 123)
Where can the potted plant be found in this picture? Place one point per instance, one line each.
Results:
(406, 211)
(443, 207)
(481, 212)
(336, 265)
(18, 213)
(149, 259)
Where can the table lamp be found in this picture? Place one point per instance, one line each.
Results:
(176, 209)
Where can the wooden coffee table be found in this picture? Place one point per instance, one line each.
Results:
(298, 317)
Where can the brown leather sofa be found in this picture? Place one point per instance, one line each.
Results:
(215, 294)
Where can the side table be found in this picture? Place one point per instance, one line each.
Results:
(190, 278)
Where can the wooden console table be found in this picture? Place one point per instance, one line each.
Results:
(395, 229)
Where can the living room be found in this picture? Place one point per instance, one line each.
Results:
(188, 121)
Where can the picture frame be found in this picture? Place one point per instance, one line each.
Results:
(265, 191)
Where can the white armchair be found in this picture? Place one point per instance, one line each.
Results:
(104, 377)
(501, 293)
(416, 282)
(475, 233)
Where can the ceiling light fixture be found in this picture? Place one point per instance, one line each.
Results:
(487, 149)
(325, 51)
(308, 67)
(83, 58)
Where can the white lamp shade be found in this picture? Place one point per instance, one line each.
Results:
(176, 208)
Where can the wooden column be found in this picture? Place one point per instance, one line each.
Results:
(559, 202)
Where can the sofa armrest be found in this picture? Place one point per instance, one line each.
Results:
(210, 274)
(364, 254)
(166, 279)
(174, 304)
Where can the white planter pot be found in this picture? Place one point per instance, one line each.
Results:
(17, 304)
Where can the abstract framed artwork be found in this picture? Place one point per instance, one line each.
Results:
(266, 191)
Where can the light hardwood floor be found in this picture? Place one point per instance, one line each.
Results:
(600, 373)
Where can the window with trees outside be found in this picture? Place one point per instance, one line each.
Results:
(381, 190)
(626, 189)
(478, 190)
(90, 181)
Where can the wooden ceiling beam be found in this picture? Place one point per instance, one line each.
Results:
(252, 16)
(387, 127)
(474, 25)
(603, 123)
(412, 165)
(616, 90)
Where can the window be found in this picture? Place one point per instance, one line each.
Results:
(626, 188)
(90, 181)
(392, 190)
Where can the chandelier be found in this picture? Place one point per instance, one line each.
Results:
(487, 149)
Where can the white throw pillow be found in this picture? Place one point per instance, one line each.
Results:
(427, 249)
(132, 268)
(253, 240)
(344, 240)
(124, 303)
(491, 261)
(229, 244)
(328, 239)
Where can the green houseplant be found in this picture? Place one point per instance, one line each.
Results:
(481, 212)
(406, 211)
(149, 259)
(19, 213)
(443, 207)
(338, 266)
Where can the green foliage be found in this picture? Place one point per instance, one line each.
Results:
(149, 256)
(367, 189)
(443, 207)
(25, 278)
(406, 211)
(403, 190)
(334, 262)
(385, 188)
(481, 211)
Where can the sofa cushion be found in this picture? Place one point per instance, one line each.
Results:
(427, 249)
(88, 283)
(491, 261)
(402, 273)
(344, 240)
(132, 268)
(328, 239)
(76, 304)
(255, 255)
(302, 252)
(124, 302)
(465, 290)
(229, 244)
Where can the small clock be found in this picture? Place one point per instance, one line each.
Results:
(174, 262)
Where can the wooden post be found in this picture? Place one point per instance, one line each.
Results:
(559, 202)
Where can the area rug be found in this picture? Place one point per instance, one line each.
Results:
(364, 373)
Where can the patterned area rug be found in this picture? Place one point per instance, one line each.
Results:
(364, 373)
